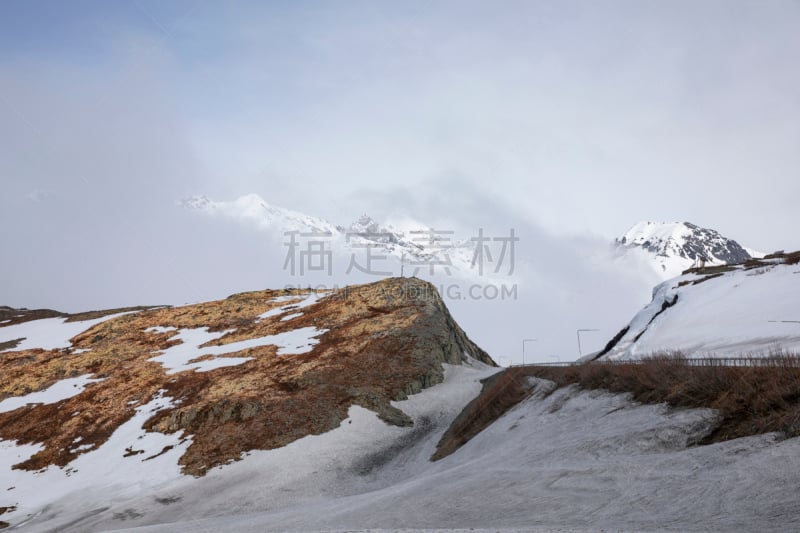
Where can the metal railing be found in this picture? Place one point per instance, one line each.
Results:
(791, 361)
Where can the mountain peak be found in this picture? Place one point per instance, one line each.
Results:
(676, 246)
(365, 224)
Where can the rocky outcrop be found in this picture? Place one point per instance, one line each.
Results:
(378, 342)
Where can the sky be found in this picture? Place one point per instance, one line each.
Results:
(571, 120)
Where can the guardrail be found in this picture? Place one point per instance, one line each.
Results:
(779, 361)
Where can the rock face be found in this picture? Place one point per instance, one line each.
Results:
(370, 344)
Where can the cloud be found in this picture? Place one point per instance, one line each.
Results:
(554, 286)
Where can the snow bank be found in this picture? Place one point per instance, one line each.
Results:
(740, 313)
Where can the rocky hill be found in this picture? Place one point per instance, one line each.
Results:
(202, 385)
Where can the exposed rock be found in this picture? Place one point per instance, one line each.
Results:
(382, 342)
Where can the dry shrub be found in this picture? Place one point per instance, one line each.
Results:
(760, 395)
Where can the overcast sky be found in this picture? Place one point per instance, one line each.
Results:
(575, 118)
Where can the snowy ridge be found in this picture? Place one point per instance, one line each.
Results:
(739, 311)
(415, 243)
(252, 208)
(677, 246)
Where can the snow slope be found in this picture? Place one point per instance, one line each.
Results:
(671, 248)
(744, 311)
(132, 461)
(570, 461)
(105, 489)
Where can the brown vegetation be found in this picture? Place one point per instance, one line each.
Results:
(761, 397)
(791, 258)
(4, 510)
(750, 399)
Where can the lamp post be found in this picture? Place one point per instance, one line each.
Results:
(523, 348)
(578, 333)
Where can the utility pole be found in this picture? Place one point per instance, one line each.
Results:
(402, 263)
(523, 348)
(578, 333)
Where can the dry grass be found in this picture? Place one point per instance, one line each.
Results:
(750, 399)
(761, 398)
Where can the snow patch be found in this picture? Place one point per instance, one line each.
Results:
(179, 358)
(61, 390)
(48, 333)
(292, 305)
(99, 476)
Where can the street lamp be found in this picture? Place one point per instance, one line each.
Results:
(578, 333)
(523, 348)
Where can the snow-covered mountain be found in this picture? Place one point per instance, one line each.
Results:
(744, 310)
(666, 248)
(673, 247)
(253, 209)
(416, 244)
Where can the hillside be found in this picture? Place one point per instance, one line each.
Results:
(161, 394)
(749, 309)
(366, 408)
